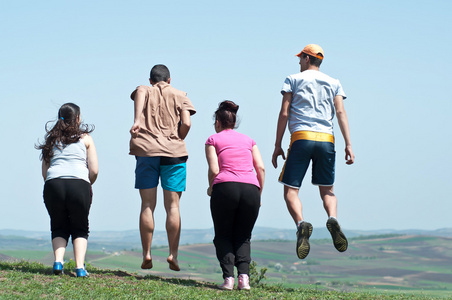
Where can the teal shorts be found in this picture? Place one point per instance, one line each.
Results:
(172, 172)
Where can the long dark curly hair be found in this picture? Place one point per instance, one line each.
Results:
(67, 130)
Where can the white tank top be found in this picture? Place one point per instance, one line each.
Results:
(69, 162)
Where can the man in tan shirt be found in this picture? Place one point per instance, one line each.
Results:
(161, 123)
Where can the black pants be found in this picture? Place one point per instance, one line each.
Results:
(68, 202)
(234, 207)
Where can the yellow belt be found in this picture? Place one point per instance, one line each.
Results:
(311, 136)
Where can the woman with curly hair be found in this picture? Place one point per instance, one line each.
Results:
(69, 168)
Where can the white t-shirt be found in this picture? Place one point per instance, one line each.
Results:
(312, 105)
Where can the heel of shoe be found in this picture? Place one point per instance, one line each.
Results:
(244, 282)
(58, 268)
(81, 272)
(228, 284)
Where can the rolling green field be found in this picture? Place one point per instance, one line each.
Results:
(390, 265)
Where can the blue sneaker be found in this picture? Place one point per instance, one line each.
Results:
(81, 272)
(58, 268)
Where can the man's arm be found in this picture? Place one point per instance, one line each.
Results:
(343, 125)
(281, 128)
(185, 124)
(140, 96)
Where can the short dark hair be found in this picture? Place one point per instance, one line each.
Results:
(313, 60)
(226, 114)
(159, 73)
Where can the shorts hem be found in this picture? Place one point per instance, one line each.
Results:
(292, 186)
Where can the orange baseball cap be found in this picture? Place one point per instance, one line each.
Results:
(313, 50)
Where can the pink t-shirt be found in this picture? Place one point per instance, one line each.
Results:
(235, 157)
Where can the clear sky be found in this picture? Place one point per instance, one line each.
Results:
(393, 59)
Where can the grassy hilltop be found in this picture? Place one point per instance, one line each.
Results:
(374, 267)
(31, 280)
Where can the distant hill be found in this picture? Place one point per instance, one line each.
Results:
(130, 239)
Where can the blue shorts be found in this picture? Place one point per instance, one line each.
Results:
(299, 156)
(171, 170)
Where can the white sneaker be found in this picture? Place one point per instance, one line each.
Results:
(228, 284)
(244, 282)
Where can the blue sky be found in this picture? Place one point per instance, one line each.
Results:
(392, 57)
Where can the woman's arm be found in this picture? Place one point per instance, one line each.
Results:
(45, 167)
(93, 164)
(259, 166)
(214, 169)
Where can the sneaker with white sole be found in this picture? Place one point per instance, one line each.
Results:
(339, 239)
(303, 233)
(228, 284)
(244, 282)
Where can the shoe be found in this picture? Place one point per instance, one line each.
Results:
(58, 268)
(303, 233)
(339, 239)
(81, 272)
(228, 284)
(244, 282)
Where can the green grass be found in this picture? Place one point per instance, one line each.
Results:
(414, 266)
(32, 280)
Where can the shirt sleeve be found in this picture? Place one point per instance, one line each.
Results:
(210, 141)
(287, 86)
(187, 105)
(340, 90)
(132, 96)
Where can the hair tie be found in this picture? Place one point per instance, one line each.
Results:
(62, 118)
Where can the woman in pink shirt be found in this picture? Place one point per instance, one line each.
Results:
(236, 178)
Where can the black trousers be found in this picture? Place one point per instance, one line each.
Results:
(68, 202)
(234, 207)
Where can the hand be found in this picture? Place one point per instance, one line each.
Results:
(277, 152)
(209, 191)
(135, 129)
(349, 156)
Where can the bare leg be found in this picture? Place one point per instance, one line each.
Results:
(330, 204)
(173, 226)
(148, 202)
(59, 247)
(329, 200)
(293, 203)
(80, 246)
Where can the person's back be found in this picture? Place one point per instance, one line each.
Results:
(69, 161)
(161, 123)
(312, 106)
(160, 120)
(310, 101)
(235, 158)
(235, 191)
(69, 168)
